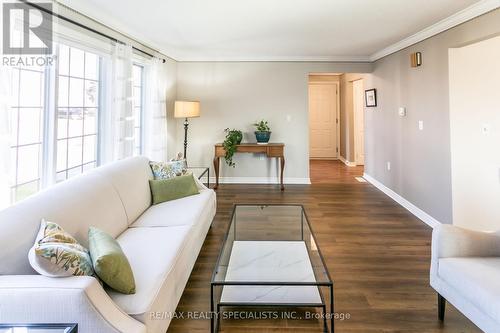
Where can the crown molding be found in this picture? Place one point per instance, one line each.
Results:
(351, 59)
(480, 8)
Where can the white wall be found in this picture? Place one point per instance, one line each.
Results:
(235, 95)
(475, 134)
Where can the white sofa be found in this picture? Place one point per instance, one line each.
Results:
(161, 242)
(465, 271)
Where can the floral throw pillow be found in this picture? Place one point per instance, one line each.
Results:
(56, 253)
(167, 170)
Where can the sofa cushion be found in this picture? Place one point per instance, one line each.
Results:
(477, 279)
(167, 170)
(130, 177)
(109, 261)
(152, 253)
(172, 189)
(74, 204)
(184, 211)
(57, 254)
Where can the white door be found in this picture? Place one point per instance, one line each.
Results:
(323, 100)
(359, 122)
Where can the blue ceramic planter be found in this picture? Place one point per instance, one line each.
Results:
(262, 137)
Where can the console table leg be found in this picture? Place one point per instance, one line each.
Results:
(216, 169)
(282, 160)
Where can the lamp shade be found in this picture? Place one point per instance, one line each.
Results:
(186, 109)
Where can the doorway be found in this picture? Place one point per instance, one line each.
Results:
(324, 106)
(359, 121)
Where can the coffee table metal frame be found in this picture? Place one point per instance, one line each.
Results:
(216, 305)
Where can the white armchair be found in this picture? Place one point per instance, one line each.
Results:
(465, 271)
(78, 299)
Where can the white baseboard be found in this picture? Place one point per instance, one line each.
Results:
(346, 162)
(261, 180)
(426, 218)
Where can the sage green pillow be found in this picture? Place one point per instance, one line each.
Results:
(109, 261)
(173, 188)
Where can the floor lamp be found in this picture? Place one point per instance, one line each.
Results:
(186, 109)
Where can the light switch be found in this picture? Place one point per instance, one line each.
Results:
(421, 125)
(288, 118)
(402, 111)
(388, 166)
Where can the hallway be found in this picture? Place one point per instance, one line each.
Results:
(333, 172)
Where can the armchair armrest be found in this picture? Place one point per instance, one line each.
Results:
(77, 299)
(450, 241)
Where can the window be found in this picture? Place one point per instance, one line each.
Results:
(77, 111)
(57, 114)
(137, 81)
(27, 123)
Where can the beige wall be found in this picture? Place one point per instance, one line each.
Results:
(236, 94)
(475, 134)
(420, 160)
(171, 97)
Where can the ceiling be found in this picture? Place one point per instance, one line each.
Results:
(314, 30)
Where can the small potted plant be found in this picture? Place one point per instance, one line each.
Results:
(263, 132)
(233, 138)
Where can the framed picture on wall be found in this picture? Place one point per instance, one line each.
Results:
(371, 98)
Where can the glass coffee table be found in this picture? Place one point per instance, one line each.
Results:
(270, 258)
(39, 328)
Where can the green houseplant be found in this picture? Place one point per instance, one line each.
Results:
(233, 138)
(263, 132)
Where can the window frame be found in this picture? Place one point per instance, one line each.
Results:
(42, 109)
(99, 107)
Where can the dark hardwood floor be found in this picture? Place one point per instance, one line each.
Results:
(378, 255)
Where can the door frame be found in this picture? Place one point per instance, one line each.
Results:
(337, 124)
(356, 125)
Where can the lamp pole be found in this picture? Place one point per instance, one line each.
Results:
(186, 124)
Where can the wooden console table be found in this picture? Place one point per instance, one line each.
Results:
(271, 150)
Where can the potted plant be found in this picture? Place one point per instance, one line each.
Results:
(233, 138)
(263, 132)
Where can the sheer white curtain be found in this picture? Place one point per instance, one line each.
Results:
(5, 131)
(122, 113)
(155, 111)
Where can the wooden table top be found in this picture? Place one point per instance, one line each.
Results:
(272, 144)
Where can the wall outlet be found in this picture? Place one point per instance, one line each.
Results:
(288, 118)
(388, 166)
(421, 125)
(486, 129)
(402, 111)
(262, 157)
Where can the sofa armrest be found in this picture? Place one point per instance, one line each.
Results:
(200, 184)
(77, 299)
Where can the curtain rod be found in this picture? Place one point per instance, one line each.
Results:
(67, 19)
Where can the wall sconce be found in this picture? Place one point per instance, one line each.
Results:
(416, 59)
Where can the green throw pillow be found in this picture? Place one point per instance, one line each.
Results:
(110, 263)
(173, 188)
